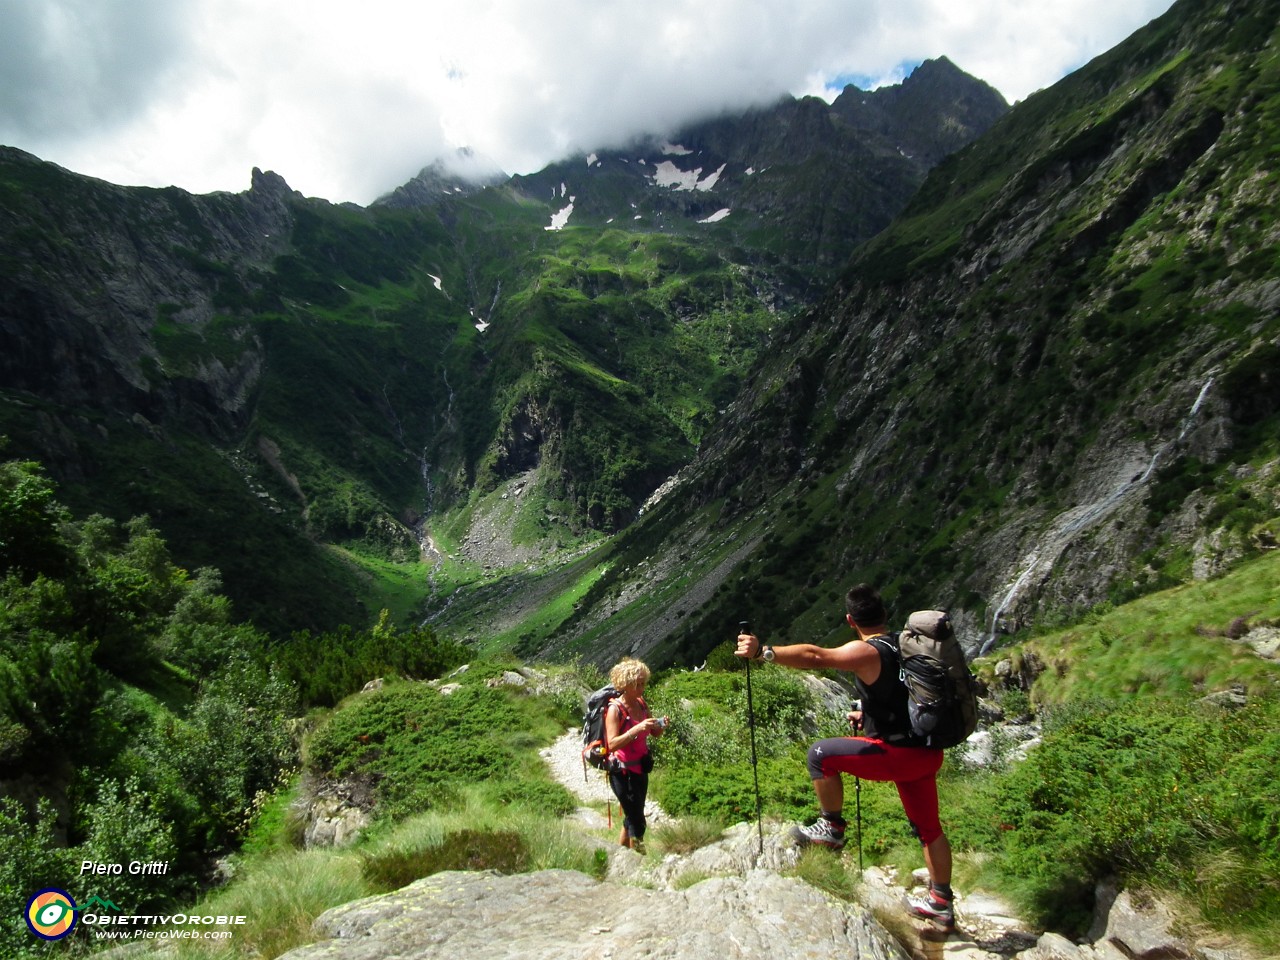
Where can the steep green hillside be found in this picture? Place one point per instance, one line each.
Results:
(1049, 384)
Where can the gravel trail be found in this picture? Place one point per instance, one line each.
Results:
(564, 757)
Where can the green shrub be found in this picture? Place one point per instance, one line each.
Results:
(540, 796)
(1148, 790)
(329, 666)
(422, 747)
(726, 794)
(501, 850)
(123, 824)
(686, 834)
(820, 869)
(31, 858)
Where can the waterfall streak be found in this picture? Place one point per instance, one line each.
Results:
(1070, 523)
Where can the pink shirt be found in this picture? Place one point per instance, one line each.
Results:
(630, 753)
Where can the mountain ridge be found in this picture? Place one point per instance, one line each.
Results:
(347, 372)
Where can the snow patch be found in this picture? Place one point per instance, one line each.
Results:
(591, 159)
(558, 220)
(674, 150)
(439, 284)
(669, 175)
(710, 182)
(717, 216)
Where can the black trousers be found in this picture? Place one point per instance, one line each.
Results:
(631, 789)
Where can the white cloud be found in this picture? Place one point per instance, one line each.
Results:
(347, 101)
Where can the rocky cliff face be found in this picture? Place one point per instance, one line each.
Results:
(936, 111)
(92, 269)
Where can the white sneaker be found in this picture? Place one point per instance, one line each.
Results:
(823, 833)
(930, 907)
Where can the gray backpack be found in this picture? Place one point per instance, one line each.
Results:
(942, 694)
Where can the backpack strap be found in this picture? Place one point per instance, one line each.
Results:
(626, 718)
(889, 644)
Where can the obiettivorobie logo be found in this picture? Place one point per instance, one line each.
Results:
(51, 914)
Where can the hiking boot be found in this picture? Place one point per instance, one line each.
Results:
(930, 907)
(823, 833)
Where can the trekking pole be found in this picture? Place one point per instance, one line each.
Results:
(857, 793)
(745, 627)
(857, 798)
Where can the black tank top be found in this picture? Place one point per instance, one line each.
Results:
(884, 703)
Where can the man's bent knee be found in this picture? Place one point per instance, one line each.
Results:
(815, 762)
(836, 755)
(926, 834)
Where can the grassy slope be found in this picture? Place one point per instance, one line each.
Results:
(1181, 642)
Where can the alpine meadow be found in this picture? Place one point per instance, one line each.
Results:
(316, 516)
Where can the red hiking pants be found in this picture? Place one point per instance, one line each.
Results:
(913, 770)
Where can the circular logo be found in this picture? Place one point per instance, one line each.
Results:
(51, 914)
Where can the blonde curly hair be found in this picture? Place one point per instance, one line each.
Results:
(629, 673)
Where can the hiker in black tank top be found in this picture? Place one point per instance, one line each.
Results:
(887, 751)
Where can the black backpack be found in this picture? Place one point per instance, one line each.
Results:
(942, 695)
(594, 750)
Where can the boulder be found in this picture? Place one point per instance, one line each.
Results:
(1140, 926)
(565, 915)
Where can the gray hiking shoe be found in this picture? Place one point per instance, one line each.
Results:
(823, 833)
(930, 907)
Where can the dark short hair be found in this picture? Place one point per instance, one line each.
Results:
(865, 606)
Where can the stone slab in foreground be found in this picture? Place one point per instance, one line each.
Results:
(565, 915)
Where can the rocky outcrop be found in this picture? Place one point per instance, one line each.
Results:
(563, 914)
(725, 900)
(334, 813)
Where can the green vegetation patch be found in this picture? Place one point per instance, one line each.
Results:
(419, 747)
(1156, 791)
(1182, 641)
(502, 851)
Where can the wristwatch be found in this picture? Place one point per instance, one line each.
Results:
(766, 654)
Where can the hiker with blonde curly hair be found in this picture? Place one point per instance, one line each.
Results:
(628, 727)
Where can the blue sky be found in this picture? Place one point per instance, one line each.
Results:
(866, 81)
(347, 101)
